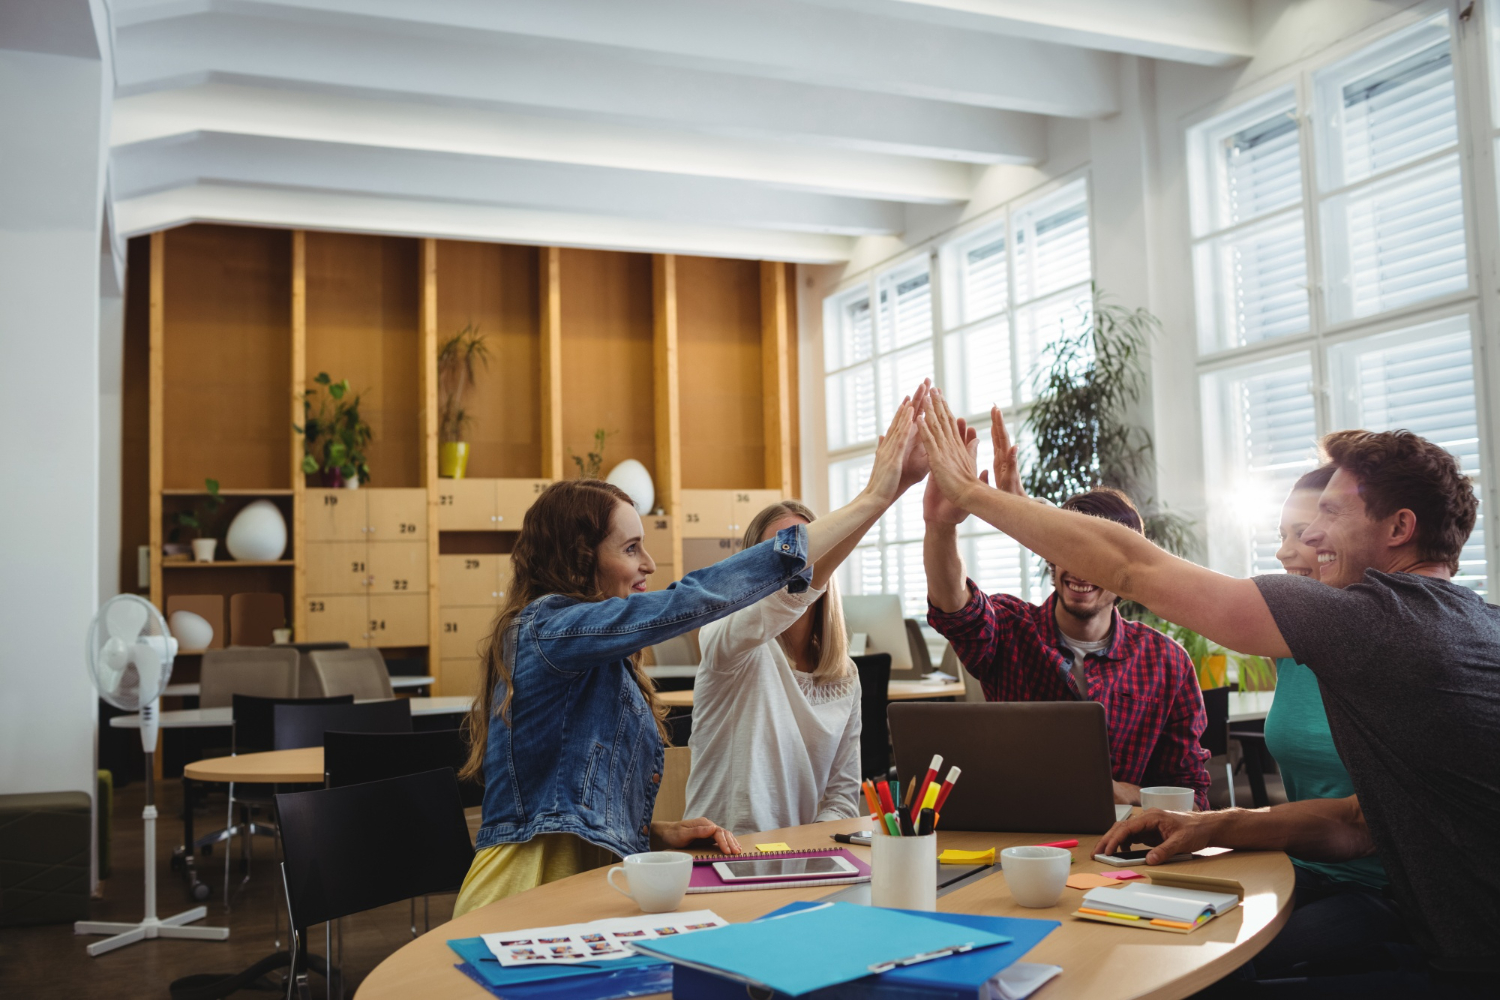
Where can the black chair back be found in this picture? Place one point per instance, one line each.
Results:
(355, 758)
(354, 848)
(875, 733)
(304, 725)
(254, 721)
(1215, 737)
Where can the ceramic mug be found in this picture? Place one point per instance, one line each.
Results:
(657, 880)
(1165, 797)
(1036, 875)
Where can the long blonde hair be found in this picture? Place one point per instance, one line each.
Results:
(829, 640)
(557, 552)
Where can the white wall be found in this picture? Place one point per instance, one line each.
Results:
(53, 115)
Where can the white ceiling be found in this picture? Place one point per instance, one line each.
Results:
(762, 128)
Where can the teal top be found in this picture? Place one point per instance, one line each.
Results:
(1298, 737)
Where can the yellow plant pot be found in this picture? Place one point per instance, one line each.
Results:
(453, 459)
(1213, 672)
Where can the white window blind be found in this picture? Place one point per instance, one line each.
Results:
(905, 309)
(1421, 380)
(1262, 166)
(1051, 240)
(985, 274)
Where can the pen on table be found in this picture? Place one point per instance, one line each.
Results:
(862, 838)
(953, 773)
(931, 776)
(1060, 843)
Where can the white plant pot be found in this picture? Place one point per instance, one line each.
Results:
(352, 483)
(257, 533)
(203, 549)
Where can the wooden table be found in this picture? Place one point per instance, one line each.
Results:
(400, 682)
(1099, 961)
(289, 767)
(897, 691)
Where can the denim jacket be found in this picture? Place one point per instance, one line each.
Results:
(581, 753)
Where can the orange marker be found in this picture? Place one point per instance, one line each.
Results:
(875, 811)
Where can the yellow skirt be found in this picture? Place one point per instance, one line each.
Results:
(506, 869)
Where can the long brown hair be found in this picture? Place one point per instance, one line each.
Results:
(557, 552)
(830, 642)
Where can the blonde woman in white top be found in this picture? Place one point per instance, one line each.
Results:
(776, 702)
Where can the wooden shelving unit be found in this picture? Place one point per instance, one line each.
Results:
(689, 363)
(224, 563)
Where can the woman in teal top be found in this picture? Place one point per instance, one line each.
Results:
(1297, 731)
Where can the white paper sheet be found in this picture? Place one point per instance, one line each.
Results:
(596, 941)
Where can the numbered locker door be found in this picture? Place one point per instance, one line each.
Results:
(337, 618)
(745, 504)
(470, 581)
(338, 568)
(466, 504)
(398, 567)
(707, 514)
(398, 515)
(463, 630)
(337, 515)
(397, 620)
(513, 498)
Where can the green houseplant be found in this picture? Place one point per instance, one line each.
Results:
(589, 467)
(458, 359)
(199, 522)
(334, 438)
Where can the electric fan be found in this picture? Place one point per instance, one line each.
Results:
(130, 656)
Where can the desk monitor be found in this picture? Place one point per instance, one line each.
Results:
(1028, 767)
(879, 617)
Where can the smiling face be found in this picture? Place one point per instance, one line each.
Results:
(1297, 557)
(1078, 597)
(623, 562)
(1346, 539)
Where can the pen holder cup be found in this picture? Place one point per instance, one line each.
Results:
(903, 872)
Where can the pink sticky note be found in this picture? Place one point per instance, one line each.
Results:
(1122, 875)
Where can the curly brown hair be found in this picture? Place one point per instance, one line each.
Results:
(1397, 470)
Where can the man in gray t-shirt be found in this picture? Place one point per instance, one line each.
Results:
(1408, 663)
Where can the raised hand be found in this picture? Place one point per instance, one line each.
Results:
(935, 506)
(1007, 467)
(914, 465)
(885, 483)
(948, 453)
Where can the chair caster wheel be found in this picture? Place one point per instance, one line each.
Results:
(199, 891)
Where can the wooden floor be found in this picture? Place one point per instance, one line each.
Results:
(44, 962)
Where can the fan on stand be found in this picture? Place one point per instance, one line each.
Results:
(130, 656)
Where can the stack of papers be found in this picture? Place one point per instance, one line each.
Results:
(596, 941)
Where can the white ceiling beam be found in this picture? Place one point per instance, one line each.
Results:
(478, 180)
(353, 213)
(290, 114)
(590, 82)
(1204, 32)
(779, 39)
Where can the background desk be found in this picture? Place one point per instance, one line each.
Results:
(403, 682)
(897, 691)
(290, 767)
(1099, 961)
(1249, 706)
(206, 718)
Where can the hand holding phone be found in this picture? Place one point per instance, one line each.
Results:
(1124, 859)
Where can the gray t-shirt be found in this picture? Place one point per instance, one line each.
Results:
(1409, 668)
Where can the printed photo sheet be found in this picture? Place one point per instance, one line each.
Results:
(596, 941)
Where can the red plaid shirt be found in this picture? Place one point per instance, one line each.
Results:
(1152, 704)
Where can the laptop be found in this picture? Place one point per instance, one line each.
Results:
(1028, 766)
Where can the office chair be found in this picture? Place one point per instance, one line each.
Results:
(360, 672)
(875, 734)
(304, 725)
(1215, 738)
(338, 845)
(267, 671)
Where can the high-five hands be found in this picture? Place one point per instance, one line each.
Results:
(950, 457)
(891, 455)
(1007, 466)
(936, 507)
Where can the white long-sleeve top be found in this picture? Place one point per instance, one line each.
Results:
(771, 748)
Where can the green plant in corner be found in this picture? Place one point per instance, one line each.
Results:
(335, 437)
(459, 357)
(201, 519)
(588, 468)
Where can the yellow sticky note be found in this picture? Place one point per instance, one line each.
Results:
(952, 857)
(772, 847)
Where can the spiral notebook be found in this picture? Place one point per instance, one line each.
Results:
(705, 879)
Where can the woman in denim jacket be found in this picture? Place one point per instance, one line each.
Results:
(567, 733)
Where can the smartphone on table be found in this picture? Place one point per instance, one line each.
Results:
(1124, 859)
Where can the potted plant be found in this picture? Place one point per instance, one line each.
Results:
(200, 522)
(457, 359)
(334, 438)
(588, 468)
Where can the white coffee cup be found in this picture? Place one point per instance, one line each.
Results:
(1165, 797)
(1036, 875)
(657, 880)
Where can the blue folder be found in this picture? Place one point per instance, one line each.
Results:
(958, 977)
(817, 946)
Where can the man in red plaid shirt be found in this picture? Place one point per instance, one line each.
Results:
(1074, 646)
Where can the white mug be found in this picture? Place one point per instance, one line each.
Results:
(1165, 797)
(657, 880)
(1036, 875)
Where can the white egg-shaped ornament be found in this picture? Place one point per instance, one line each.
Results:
(632, 477)
(257, 533)
(192, 631)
